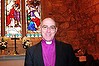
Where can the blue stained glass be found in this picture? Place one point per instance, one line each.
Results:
(31, 26)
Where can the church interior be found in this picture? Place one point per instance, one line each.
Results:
(78, 25)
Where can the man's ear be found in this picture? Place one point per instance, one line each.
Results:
(56, 29)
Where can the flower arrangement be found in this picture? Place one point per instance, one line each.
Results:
(26, 44)
(3, 44)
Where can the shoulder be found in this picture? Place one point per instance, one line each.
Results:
(63, 43)
(64, 46)
(34, 47)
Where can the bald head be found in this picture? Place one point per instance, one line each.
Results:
(48, 20)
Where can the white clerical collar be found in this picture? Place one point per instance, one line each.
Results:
(48, 42)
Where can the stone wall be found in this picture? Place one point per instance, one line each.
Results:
(78, 22)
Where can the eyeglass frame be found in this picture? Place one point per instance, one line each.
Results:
(45, 27)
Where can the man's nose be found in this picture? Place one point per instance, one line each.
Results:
(48, 29)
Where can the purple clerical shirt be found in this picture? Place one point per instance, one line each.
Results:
(49, 54)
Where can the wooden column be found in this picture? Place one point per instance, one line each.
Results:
(2, 18)
(23, 18)
(43, 9)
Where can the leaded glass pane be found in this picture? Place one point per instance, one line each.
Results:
(13, 21)
(33, 17)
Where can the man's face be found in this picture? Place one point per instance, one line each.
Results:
(48, 29)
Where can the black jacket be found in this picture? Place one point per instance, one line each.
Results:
(64, 55)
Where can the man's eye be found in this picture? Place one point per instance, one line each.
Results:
(44, 26)
(53, 27)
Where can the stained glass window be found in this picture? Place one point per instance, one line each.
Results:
(33, 17)
(13, 21)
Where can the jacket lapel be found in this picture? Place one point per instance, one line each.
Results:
(57, 53)
(39, 54)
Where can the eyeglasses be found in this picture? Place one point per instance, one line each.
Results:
(45, 27)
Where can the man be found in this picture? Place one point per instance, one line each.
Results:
(49, 51)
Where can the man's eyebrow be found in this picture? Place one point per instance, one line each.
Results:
(47, 25)
(44, 25)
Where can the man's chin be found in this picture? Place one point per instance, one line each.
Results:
(48, 40)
